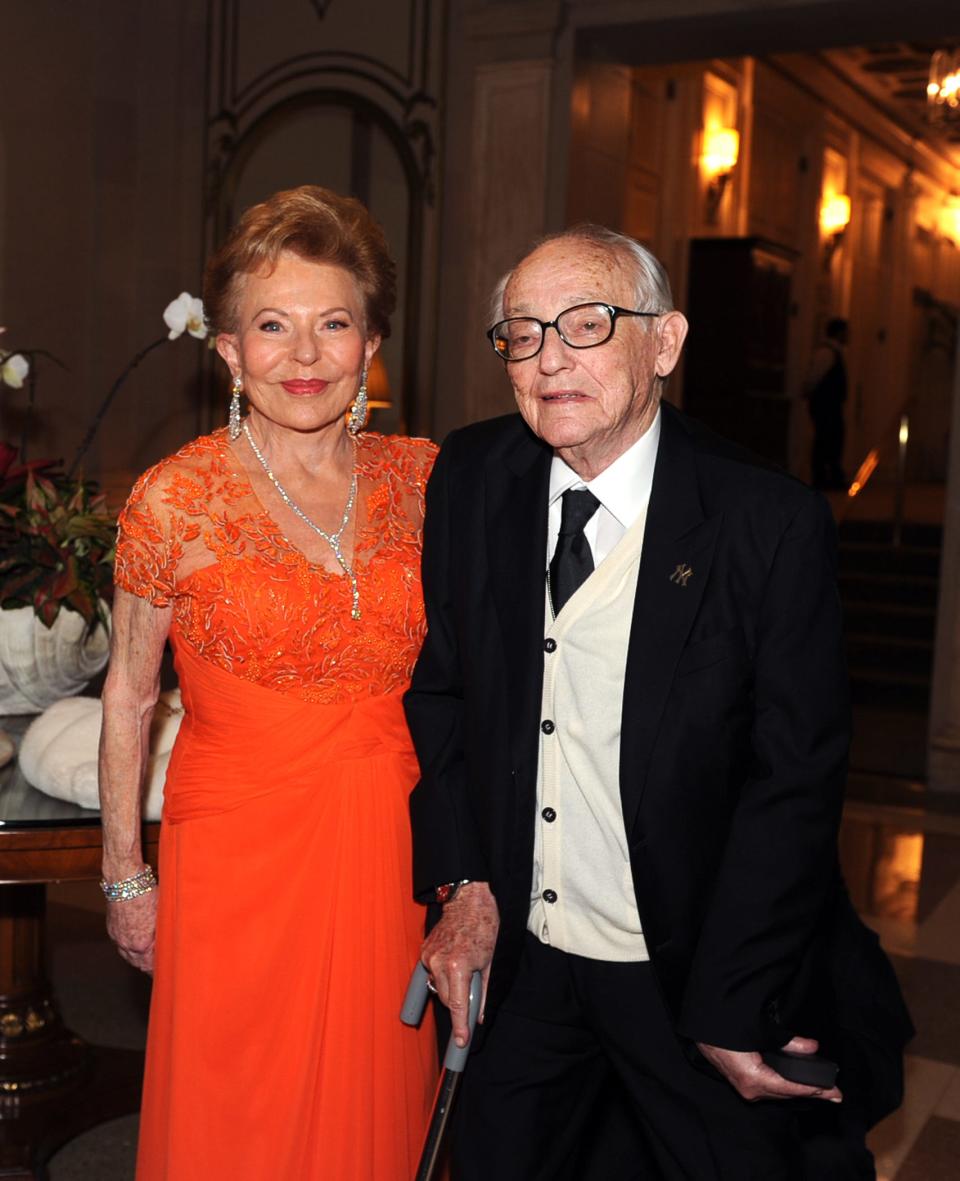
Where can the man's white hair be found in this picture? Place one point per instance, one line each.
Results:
(651, 285)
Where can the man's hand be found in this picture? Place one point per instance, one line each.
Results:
(132, 925)
(752, 1079)
(459, 945)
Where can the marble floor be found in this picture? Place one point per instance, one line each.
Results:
(902, 861)
(902, 864)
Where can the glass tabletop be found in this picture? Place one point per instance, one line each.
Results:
(21, 805)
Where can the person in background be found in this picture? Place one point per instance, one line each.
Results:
(280, 556)
(826, 393)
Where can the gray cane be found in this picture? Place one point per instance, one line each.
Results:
(454, 1061)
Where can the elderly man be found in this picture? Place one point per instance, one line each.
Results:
(631, 718)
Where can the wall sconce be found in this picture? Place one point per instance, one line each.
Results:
(834, 219)
(950, 221)
(721, 150)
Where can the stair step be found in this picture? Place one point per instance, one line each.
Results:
(912, 533)
(891, 656)
(889, 596)
(913, 561)
(861, 620)
(895, 589)
(911, 694)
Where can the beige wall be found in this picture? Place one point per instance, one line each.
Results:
(101, 114)
(131, 135)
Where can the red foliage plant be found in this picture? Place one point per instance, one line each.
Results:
(57, 541)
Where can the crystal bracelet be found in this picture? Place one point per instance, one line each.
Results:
(141, 883)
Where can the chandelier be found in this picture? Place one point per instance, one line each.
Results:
(943, 87)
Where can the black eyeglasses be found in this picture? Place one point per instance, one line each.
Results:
(583, 326)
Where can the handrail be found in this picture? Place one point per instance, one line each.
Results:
(901, 421)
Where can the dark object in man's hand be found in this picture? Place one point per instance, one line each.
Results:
(809, 1069)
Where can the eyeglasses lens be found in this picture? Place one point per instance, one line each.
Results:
(586, 325)
(516, 339)
(581, 327)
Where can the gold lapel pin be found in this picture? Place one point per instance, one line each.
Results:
(681, 575)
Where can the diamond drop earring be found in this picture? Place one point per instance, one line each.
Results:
(233, 422)
(358, 411)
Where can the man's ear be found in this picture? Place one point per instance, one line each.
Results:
(671, 333)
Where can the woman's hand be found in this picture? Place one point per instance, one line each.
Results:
(459, 945)
(132, 925)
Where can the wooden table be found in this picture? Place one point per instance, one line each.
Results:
(53, 1085)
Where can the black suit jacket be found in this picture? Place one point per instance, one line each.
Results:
(734, 717)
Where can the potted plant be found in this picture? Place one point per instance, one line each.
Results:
(56, 548)
(56, 562)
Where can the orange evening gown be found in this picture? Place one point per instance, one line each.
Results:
(286, 930)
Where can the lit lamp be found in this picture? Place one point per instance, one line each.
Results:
(943, 87)
(378, 388)
(721, 149)
(378, 385)
(834, 219)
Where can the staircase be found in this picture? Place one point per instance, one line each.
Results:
(889, 596)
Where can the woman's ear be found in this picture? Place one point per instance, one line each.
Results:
(369, 349)
(227, 348)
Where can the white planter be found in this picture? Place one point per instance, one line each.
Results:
(39, 665)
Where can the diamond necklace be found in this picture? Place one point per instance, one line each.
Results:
(334, 540)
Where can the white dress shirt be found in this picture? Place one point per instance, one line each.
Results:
(623, 490)
(582, 897)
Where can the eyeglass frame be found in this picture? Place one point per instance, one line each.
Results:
(615, 314)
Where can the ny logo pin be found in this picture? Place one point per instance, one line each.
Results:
(681, 576)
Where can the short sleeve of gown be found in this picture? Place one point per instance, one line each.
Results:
(152, 537)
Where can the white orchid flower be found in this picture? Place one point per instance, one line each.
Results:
(13, 370)
(185, 314)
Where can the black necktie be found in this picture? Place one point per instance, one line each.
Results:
(572, 561)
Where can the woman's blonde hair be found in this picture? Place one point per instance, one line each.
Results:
(318, 225)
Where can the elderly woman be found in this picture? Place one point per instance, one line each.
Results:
(280, 556)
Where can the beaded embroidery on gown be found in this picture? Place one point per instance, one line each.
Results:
(286, 929)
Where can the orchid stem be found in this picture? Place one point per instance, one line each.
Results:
(107, 402)
(32, 354)
(28, 415)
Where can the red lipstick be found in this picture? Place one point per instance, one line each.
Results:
(302, 389)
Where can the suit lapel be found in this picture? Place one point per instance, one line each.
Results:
(678, 548)
(516, 526)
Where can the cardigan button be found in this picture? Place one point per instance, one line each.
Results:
(549, 895)
(547, 726)
(549, 815)
(549, 644)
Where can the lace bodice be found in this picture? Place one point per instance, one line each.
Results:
(196, 536)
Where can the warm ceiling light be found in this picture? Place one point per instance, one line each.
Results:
(943, 87)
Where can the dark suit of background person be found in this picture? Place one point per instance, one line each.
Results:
(826, 394)
(732, 763)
